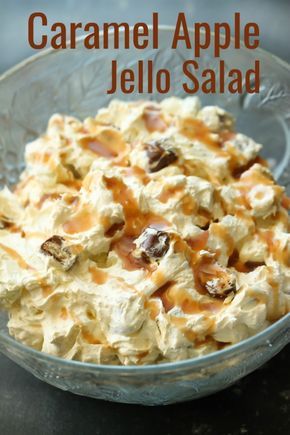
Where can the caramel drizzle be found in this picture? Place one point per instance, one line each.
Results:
(16, 257)
(74, 184)
(153, 308)
(138, 173)
(113, 229)
(83, 221)
(221, 232)
(188, 204)
(98, 276)
(285, 202)
(124, 247)
(135, 223)
(64, 313)
(255, 177)
(203, 267)
(87, 336)
(153, 119)
(275, 312)
(199, 242)
(135, 220)
(238, 170)
(280, 255)
(171, 296)
(195, 129)
(247, 267)
(108, 143)
(23, 265)
(198, 169)
(92, 144)
(170, 192)
(180, 323)
(47, 196)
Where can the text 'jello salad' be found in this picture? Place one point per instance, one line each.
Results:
(151, 233)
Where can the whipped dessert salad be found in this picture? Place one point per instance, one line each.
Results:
(151, 233)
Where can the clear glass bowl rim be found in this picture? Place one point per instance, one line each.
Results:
(194, 363)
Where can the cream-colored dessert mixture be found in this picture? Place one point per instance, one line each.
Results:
(151, 233)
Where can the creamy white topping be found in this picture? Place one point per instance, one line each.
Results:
(150, 233)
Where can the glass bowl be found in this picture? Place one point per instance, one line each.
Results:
(75, 82)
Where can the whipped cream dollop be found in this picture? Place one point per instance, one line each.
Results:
(151, 233)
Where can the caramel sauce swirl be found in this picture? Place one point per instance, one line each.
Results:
(195, 129)
(135, 220)
(47, 289)
(172, 296)
(153, 119)
(108, 143)
(98, 276)
(83, 221)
